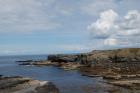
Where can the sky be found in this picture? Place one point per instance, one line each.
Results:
(67, 26)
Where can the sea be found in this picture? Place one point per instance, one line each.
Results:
(67, 81)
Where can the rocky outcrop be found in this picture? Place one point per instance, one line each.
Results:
(63, 58)
(79, 58)
(67, 62)
(39, 63)
(120, 60)
(25, 85)
(123, 61)
(134, 84)
(119, 64)
(118, 55)
(97, 56)
(63, 65)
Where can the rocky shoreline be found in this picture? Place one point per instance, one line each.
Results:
(63, 65)
(17, 84)
(120, 67)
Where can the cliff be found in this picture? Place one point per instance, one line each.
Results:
(118, 55)
(125, 60)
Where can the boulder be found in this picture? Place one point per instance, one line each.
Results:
(47, 88)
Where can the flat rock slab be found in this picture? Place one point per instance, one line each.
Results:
(26, 85)
(127, 83)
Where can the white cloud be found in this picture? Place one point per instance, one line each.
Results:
(129, 29)
(123, 32)
(131, 24)
(102, 28)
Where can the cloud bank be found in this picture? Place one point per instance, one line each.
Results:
(39, 26)
(116, 30)
(25, 15)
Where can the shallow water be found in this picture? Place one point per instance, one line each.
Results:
(66, 81)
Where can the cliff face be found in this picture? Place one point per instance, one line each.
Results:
(118, 55)
(78, 58)
(63, 58)
(120, 60)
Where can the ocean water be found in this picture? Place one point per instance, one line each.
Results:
(66, 81)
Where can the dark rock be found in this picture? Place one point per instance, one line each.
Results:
(25, 61)
(62, 58)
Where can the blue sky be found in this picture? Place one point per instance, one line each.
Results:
(67, 26)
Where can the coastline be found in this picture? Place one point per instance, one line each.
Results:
(116, 66)
(97, 64)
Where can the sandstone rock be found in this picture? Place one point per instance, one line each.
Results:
(70, 66)
(116, 77)
(127, 83)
